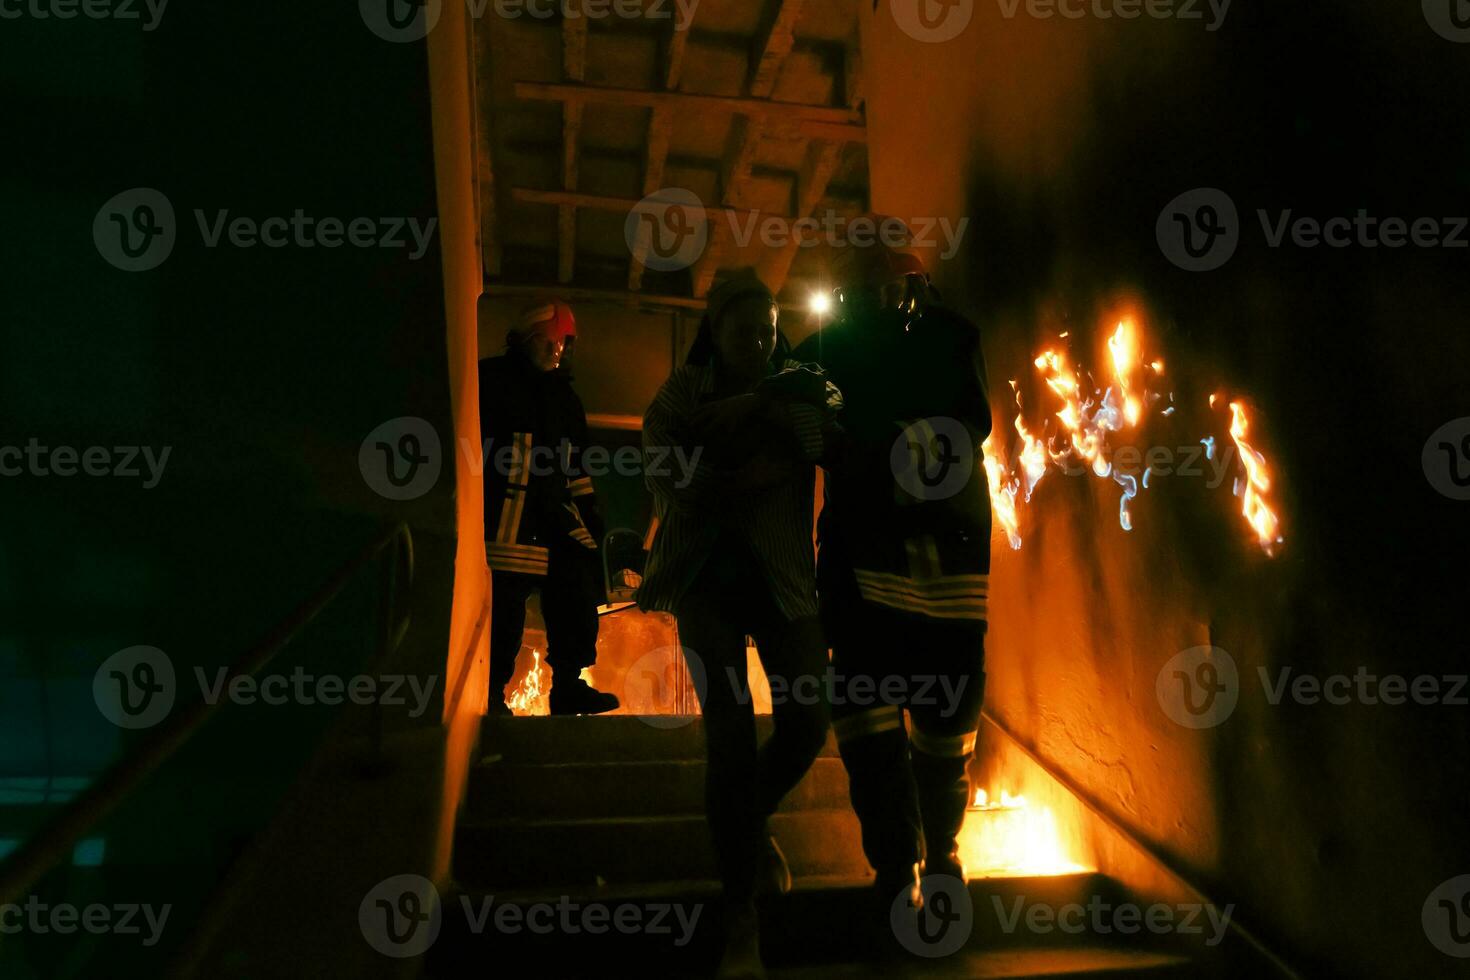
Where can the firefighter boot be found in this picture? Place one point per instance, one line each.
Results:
(882, 790)
(944, 795)
(577, 697)
(741, 959)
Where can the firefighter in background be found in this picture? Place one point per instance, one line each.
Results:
(542, 527)
(904, 562)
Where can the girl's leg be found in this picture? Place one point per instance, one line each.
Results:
(794, 655)
(710, 629)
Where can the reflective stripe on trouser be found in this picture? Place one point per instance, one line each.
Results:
(910, 788)
(874, 721)
(943, 746)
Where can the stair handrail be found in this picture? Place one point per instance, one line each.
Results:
(56, 839)
(1149, 850)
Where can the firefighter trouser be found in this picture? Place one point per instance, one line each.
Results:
(910, 786)
(570, 594)
(729, 600)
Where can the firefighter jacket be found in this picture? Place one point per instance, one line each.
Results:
(537, 497)
(907, 511)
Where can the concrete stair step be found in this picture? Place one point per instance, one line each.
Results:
(571, 790)
(1086, 963)
(572, 853)
(1094, 963)
(824, 928)
(602, 738)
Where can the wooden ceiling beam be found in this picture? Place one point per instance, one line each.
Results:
(772, 48)
(574, 45)
(660, 136)
(574, 69)
(674, 50)
(739, 160)
(602, 202)
(852, 73)
(489, 230)
(817, 172)
(823, 160)
(832, 133)
(581, 294)
(688, 101)
(768, 55)
(485, 190)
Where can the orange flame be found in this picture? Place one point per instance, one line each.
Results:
(1033, 454)
(1014, 838)
(1086, 425)
(1123, 345)
(1002, 492)
(1258, 513)
(532, 695)
(1088, 429)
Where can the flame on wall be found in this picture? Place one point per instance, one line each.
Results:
(1079, 440)
(1006, 835)
(1256, 485)
(1003, 490)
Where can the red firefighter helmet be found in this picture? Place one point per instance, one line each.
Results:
(880, 271)
(550, 317)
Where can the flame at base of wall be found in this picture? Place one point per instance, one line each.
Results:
(532, 695)
(1007, 836)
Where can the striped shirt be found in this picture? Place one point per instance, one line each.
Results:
(694, 505)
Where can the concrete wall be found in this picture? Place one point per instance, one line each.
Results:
(260, 369)
(1062, 140)
(466, 673)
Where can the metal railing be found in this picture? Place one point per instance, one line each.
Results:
(1150, 851)
(53, 842)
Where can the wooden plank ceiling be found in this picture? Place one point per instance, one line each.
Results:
(754, 107)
